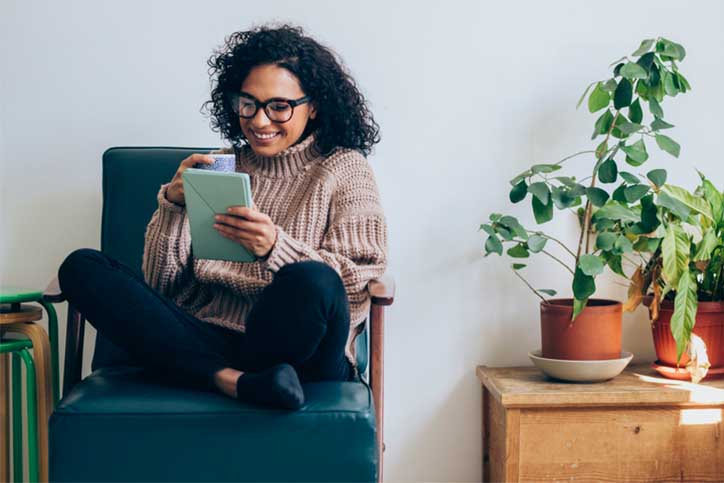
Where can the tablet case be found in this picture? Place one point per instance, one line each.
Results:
(207, 194)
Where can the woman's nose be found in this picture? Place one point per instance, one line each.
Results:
(260, 119)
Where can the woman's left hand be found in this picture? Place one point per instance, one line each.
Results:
(250, 228)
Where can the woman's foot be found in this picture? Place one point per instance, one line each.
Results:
(277, 386)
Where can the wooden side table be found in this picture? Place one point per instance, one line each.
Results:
(637, 427)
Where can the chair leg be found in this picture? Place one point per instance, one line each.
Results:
(377, 379)
(5, 418)
(32, 415)
(42, 356)
(17, 419)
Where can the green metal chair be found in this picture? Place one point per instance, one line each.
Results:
(119, 424)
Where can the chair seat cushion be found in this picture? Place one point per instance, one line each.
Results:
(122, 424)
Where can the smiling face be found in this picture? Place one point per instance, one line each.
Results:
(265, 136)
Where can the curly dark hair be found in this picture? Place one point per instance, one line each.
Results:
(343, 118)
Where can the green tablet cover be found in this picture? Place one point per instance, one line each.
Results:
(207, 194)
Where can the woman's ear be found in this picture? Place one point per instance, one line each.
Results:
(313, 111)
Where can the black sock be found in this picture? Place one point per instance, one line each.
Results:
(277, 386)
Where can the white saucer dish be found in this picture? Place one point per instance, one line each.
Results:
(581, 371)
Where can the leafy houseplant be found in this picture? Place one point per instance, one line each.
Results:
(683, 275)
(613, 225)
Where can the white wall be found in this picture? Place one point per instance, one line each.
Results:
(468, 93)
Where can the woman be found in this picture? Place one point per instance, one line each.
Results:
(255, 331)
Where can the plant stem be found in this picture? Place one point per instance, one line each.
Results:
(529, 285)
(559, 261)
(587, 213)
(574, 155)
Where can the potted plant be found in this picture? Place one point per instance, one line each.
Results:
(581, 327)
(681, 280)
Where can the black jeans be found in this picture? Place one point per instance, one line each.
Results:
(301, 318)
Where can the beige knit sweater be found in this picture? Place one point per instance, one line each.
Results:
(325, 208)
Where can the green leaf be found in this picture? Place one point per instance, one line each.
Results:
(590, 265)
(610, 86)
(635, 192)
(649, 214)
(544, 168)
(673, 205)
(714, 198)
(635, 113)
(536, 243)
(518, 251)
(605, 240)
(684, 83)
(628, 128)
(669, 85)
(603, 123)
(684, 316)
(675, 254)
(655, 108)
(493, 245)
(543, 212)
(618, 195)
(633, 71)
(540, 190)
(488, 229)
(644, 47)
(707, 245)
(636, 154)
(622, 96)
(518, 266)
(608, 171)
(597, 196)
(512, 224)
(660, 124)
(518, 192)
(598, 99)
(623, 244)
(547, 291)
(668, 145)
(601, 149)
(614, 263)
(693, 202)
(629, 177)
(657, 177)
(578, 306)
(583, 285)
(495, 217)
(504, 233)
(562, 198)
(616, 211)
(521, 177)
(646, 61)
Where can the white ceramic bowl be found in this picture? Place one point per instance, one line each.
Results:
(581, 371)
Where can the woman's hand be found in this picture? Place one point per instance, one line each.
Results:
(250, 228)
(175, 191)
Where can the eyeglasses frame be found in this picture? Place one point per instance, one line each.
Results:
(258, 104)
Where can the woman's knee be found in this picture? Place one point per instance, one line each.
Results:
(75, 266)
(314, 277)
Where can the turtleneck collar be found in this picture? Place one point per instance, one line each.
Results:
(285, 164)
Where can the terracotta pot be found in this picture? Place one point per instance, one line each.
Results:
(594, 335)
(709, 326)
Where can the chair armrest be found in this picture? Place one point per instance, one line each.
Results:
(53, 293)
(382, 290)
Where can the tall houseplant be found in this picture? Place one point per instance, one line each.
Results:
(638, 84)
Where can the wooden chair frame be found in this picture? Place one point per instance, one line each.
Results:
(382, 293)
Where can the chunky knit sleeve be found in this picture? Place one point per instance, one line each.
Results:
(355, 241)
(167, 249)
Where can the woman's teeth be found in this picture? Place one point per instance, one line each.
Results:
(264, 136)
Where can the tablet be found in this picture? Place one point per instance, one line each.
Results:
(207, 194)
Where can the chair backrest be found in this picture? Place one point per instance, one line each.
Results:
(132, 177)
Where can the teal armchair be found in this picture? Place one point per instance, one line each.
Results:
(121, 424)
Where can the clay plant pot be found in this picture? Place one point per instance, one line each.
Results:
(709, 326)
(594, 335)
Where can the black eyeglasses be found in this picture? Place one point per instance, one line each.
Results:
(277, 109)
